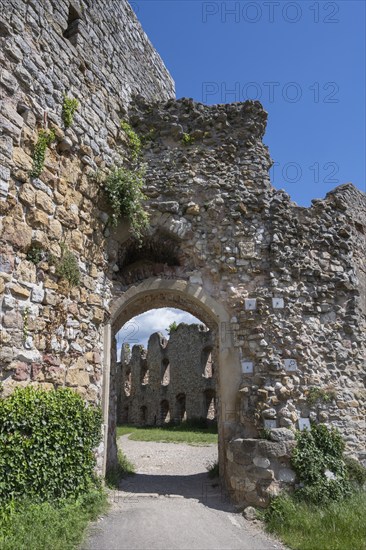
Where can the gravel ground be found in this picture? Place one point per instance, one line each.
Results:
(172, 504)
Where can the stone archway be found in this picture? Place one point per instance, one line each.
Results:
(155, 293)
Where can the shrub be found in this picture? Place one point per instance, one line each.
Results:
(123, 189)
(47, 442)
(318, 462)
(355, 471)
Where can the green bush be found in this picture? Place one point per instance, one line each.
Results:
(47, 442)
(123, 189)
(317, 452)
(355, 471)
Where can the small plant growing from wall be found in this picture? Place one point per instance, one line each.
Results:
(69, 107)
(123, 189)
(45, 138)
(134, 142)
(316, 394)
(67, 267)
(35, 254)
(187, 139)
(172, 328)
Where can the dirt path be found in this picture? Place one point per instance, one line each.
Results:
(171, 504)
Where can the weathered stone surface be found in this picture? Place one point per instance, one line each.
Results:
(281, 434)
(16, 233)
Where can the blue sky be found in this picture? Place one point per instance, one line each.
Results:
(304, 60)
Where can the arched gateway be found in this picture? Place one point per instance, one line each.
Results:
(176, 293)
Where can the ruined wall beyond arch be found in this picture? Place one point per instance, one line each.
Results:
(179, 371)
(283, 286)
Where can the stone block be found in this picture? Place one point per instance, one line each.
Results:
(16, 233)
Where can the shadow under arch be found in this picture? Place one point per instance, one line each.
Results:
(177, 293)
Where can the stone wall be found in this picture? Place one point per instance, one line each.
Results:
(287, 283)
(51, 334)
(170, 381)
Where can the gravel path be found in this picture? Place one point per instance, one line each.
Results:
(171, 504)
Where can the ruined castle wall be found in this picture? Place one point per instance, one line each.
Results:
(291, 280)
(51, 334)
(171, 381)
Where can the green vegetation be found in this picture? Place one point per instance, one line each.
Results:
(47, 442)
(172, 328)
(69, 107)
(356, 472)
(182, 433)
(316, 394)
(123, 469)
(45, 138)
(134, 142)
(42, 526)
(326, 512)
(67, 267)
(188, 139)
(318, 462)
(123, 189)
(302, 526)
(213, 469)
(35, 254)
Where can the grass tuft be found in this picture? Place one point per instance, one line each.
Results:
(213, 469)
(337, 526)
(123, 468)
(181, 433)
(44, 526)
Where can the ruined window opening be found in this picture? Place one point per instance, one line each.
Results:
(74, 23)
(144, 373)
(143, 415)
(164, 412)
(210, 404)
(207, 363)
(181, 412)
(165, 372)
(128, 383)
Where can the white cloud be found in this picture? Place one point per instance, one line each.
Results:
(139, 328)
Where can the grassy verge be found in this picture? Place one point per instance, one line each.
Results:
(170, 434)
(213, 470)
(338, 526)
(123, 468)
(45, 526)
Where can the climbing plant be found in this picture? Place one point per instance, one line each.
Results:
(45, 138)
(69, 107)
(123, 189)
(134, 141)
